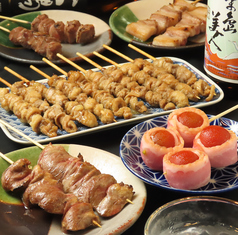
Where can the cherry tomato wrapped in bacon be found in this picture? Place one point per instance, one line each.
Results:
(156, 142)
(188, 122)
(187, 168)
(219, 144)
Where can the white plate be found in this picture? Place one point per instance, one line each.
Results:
(106, 163)
(222, 179)
(141, 10)
(151, 112)
(103, 35)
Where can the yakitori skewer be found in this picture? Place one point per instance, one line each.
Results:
(118, 53)
(45, 178)
(15, 19)
(54, 113)
(105, 115)
(117, 105)
(22, 134)
(38, 42)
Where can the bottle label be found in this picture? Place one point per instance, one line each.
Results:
(221, 45)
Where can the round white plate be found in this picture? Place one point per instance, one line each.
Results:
(106, 163)
(103, 35)
(222, 179)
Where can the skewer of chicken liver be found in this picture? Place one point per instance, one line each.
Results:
(42, 44)
(71, 32)
(48, 194)
(84, 180)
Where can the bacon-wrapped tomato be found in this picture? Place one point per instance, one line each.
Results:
(187, 168)
(188, 122)
(156, 142)
(219, 143)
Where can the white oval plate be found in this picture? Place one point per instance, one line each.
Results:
(106, 163)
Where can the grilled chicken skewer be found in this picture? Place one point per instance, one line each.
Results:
(75, 93)
(40, 188)
(71, 32)
(27, 113)
(40, 43)
(59, 102)
(116, 105)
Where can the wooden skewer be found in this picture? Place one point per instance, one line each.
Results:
(106, 59)
(4, 29)
(141, 52)
(15, 20)
(223, 113)
(118, 53)
(5, 82)
(71, 63)
(40, 72)
(55, 66)
(90, 61)
(16, 74)
(22, 134)
(6, 158)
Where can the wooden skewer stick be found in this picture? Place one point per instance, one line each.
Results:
(55, 66)
(71, 63)
(118, 53)
(16, 74)
(6, 158)
(4, 29)
(15, 20)
(40, 72)
(90, 61)
(5, 82)
(223, 113)
(106, 59)
(141, 52)
(22, 134)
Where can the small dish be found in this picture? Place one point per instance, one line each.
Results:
(194, 215)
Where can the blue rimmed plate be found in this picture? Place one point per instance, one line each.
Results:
(82, 130)
(222, 179)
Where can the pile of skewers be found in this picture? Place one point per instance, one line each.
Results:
(87, 97)
(172, 25)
